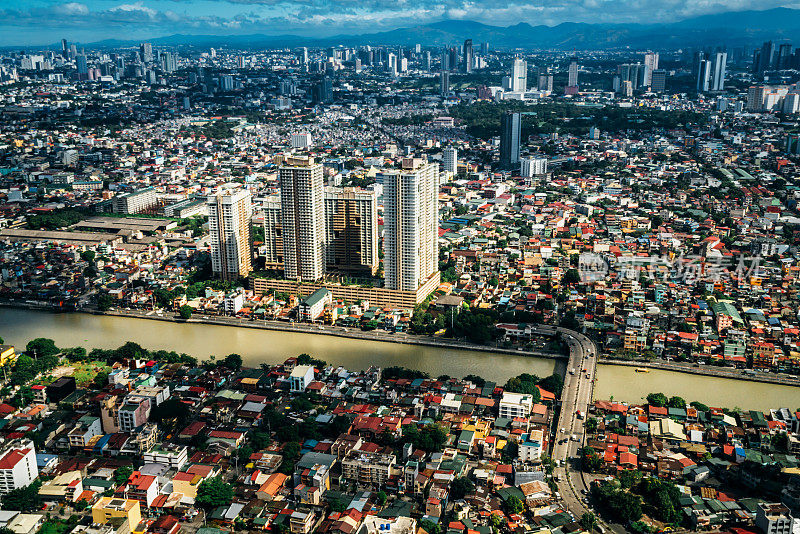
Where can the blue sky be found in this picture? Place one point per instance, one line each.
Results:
(39, 22)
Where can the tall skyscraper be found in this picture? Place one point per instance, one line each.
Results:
(302, 219)
(767, 57)
(510, 134)
(659, 81)
(450, 159)
(545, 82)
(453, 60)
(229, 222)
(351, 230)
(146, 52)
(468, 56)
(427, 61)
(572, 73)
(484, 49)
(718, 71)
(81, 65)
(410, 213)
(64, 49)
(444, 82)
(272, 250)
(519, 76)
(704, 76)
(445, 59)
(783, 61)
(650, 64)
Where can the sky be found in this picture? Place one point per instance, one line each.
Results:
(44, 22)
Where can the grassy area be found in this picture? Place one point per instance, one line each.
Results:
(58, 526)
(86, 371)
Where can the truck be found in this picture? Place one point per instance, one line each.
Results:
(579, 414)
(573, 437)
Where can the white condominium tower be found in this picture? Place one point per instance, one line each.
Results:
(519, 76)
(303, 219)
(230, 222)
(410, 213)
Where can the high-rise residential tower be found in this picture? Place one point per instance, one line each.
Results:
(230, 222)
(650, 64)
(468, 56)
(572, 73)
(410, 213)
(302, 219)
(718, 71)
(351, 230)
(450, 159)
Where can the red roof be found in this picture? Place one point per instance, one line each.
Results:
(12, 458)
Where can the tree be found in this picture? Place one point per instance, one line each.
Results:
(514, 505)
(657, 399)
(591, 424)
(104, 301)
(41, 346)
(572, 277)
(588, 521)
(121, 474)
(214, 492)
(699, 406)
(100, 379)
(382, 498)
(475, 379)
(233, 362)
(461, 487)
(590, 460)
(24, 499)
(524, 383)
(291, 453)
(186, 311)
(677, 402)
(430, 527)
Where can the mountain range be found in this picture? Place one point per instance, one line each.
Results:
(734, 28)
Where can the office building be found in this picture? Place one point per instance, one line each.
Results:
(302, 219)
(444, 82)
(411, 251)
(18, 468)
(351, 230)
(138, 201)
(510, 134)
(718, 71)
(81, 66)
(519, 76)
(658, 81)
(766, 57)
(450, 160)
(572, 73)
(545, 82)
(146, 52)
(650, 64)
(484, 48)
(322, 93)
(704, 76)
(468, 56)
(783, 60)
(453, 58)
(229, 222)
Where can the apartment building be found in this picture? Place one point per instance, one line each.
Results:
(17, 468)
(351, 230)
(272, 249)
(302, 219)
(411, 224)
(138, 201)
(229, 222)
(367, 469)
(515, 405)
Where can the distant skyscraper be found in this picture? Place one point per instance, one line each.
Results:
(572, 73)
(303, 55)
(703, 76)
(229, 223)
(718, 72)
(783, 60)
(302, 219)
(510, 134)
(450, 160)
(444, 82)
(427, 61)
(146, 52)
(453, 60)
(323, 91)
(658, 81)
(519, 76)
(468, 56)
(81, 66)
(351, 230)
(484, 49)
(767, 57)
(650, 64)
(445, 59)
(545, 82)
(410, 200)
(64, 49)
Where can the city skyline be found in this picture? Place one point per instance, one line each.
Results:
(91, 21)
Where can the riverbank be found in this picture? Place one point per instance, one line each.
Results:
(708, 370)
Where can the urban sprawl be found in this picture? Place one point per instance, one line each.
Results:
(629, 207)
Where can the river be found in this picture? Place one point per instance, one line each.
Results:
(256, 346)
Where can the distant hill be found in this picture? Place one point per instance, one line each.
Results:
(734, 28)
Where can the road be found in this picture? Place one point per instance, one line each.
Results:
(576, 396)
